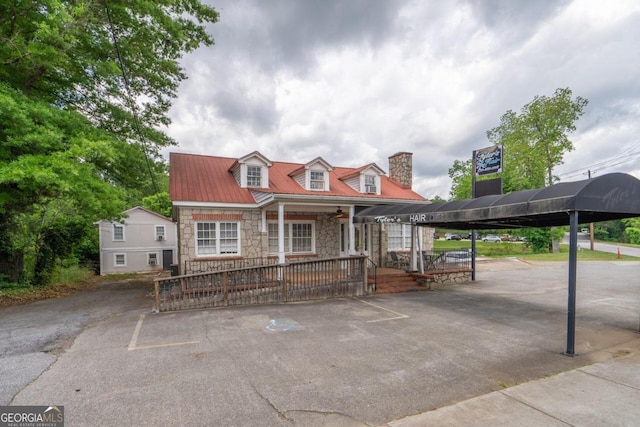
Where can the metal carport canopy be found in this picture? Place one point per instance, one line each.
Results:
(610, 196)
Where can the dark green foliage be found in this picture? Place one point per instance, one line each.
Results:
(159, 203)
(538, 239)
(84, 88)
(77, 54)
(631, 230)
(614, 230)
(460, 174)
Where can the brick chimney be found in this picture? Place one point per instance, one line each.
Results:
(401, 168)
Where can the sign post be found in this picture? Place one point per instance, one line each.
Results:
(485, 161)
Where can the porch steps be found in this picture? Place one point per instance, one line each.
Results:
(397, 282)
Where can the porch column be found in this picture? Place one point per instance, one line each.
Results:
(414, 247)
(281, 258)
(352, 232)
(419, 253)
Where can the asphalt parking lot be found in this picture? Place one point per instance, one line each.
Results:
(346, 362)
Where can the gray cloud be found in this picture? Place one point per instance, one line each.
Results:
(355, 82)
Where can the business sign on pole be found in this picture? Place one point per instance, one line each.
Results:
(488, 187)
(488, 160)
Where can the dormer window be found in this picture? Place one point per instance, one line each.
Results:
(316, 180)
(251, 171)
(365, 180)
(370, 184)
(313, 176)
(254, 176)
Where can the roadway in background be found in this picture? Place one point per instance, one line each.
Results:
(583, 243)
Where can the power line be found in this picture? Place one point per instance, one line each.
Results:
(128, 98)
(627, 156)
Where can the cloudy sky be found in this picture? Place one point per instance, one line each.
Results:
(355, 81)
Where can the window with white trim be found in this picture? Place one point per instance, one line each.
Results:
(152, 258)
(160, 232)
(370, 184)
(316, 180)
(273, 237)
(398, 237)
(120, 260)
(118, 233)
(299, 237)
(217, 238)
(254, 176)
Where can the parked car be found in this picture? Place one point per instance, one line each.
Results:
(453, 237)
(492, 238)
(469, 235)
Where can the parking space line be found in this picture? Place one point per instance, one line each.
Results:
(173, 344)
(605, 301)
(136, 332)
(398, 315)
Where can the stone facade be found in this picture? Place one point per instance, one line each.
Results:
(401, 168)
(252, 244)
(253, 241)
(440, 279)
(327, 236)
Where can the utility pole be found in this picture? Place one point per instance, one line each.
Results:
(590, 226)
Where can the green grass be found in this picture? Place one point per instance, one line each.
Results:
(520, 250)
(73, 274)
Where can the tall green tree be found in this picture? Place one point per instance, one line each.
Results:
(536, 140)
(460, 174)
(54, 175)
(85, 86)
(115, 61)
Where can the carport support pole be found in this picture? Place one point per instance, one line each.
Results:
(473, 232)
(473, 255)
(573, 257)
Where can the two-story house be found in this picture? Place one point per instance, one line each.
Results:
(144, 241)
(238, 211)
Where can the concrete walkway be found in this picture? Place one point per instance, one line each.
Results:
(604, 394)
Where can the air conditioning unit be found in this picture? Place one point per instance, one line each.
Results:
(160, 237)
(152, 262)
(370, 189)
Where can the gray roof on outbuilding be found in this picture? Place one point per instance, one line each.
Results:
(606, 197)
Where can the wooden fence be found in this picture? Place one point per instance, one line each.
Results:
(300, 281)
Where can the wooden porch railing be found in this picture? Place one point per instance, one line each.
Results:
(300, 281)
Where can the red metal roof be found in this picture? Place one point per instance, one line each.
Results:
(198, 178)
